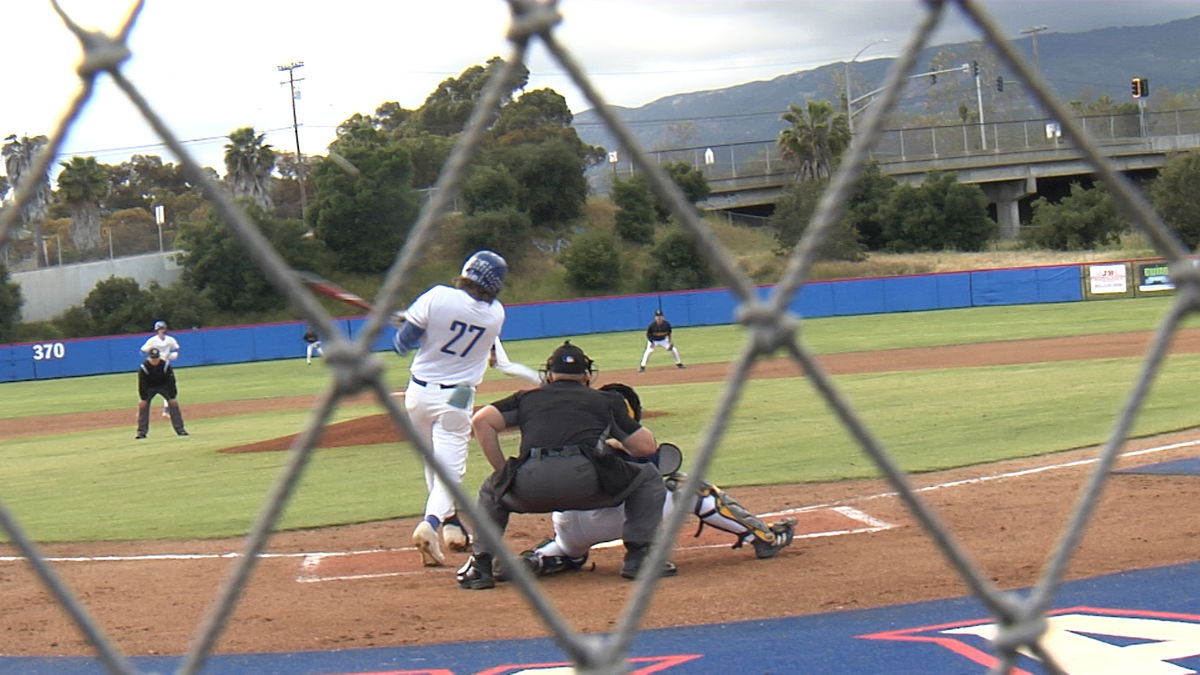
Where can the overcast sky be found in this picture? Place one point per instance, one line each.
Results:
(210, 67)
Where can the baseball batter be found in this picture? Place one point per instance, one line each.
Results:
(453, 331)
(156, 377)
(658, 336)
(166, 345)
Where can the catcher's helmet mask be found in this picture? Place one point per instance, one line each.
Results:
(487, 269)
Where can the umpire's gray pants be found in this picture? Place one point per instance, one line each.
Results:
(566, 483)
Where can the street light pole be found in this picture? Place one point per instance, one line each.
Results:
(846, 74)
(291, 68)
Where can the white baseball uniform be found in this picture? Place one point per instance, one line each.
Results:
(453, 335)
(168, 347)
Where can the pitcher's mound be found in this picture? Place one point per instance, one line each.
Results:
(362, 431)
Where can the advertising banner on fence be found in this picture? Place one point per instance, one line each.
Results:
(1152, 277)
(1108, 279)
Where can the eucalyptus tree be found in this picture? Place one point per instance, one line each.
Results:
(18, 154)
(248, 166)
(82, 184)
(814, 139)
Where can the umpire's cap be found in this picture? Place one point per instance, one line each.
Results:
(160, 325)
(487, 269)
(153, 353)
(569, 359)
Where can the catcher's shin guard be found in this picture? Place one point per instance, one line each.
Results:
(717, 509)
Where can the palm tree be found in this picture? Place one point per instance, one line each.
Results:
(82, 184)
(248, 165)
(18, 160)
(815, 140)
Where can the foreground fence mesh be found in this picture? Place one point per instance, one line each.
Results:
(769, 328)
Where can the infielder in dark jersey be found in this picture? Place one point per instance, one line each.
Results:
(658, 336)
(564, 463)
(157, 377)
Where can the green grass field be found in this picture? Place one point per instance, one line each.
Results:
(101, 485)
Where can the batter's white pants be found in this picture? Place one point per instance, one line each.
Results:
(445, 428)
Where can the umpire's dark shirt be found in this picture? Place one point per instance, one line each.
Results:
(151, 376)
(566, 412)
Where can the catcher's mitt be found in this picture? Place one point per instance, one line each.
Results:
(632, 401)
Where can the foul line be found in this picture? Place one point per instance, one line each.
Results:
(986, 479)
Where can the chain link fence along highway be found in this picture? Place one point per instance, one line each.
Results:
(768, 328)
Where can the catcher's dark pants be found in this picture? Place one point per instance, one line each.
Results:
(565, 480)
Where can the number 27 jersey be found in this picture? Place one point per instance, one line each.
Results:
(459, 333)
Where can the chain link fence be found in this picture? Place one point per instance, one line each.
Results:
(768, 328)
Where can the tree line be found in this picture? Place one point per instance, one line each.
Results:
(350, 210)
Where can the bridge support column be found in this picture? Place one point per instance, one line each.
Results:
(1006, 195)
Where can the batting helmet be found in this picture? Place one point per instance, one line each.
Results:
(160, 325)
(487, 269)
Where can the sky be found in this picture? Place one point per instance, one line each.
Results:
(213, 66)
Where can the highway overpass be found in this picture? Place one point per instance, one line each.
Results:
(1006, 159)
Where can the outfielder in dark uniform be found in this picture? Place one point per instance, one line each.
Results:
(658, 336)
(564, 462)
(157, 377)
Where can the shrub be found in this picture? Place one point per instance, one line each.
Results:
(592, 262)
(676, 265)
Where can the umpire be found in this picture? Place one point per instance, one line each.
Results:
(566, 461)
(157, 377)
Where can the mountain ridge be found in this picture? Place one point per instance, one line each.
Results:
(1083, 65)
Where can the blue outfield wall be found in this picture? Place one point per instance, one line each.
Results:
(239, 344)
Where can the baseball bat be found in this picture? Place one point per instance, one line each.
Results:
(327, 288)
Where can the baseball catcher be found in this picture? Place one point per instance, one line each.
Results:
(575, 532)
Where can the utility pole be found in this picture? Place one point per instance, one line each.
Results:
(1032, 32)
(300, 166)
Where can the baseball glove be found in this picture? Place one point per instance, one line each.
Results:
(632, 401)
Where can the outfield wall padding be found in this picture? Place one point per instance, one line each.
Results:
(267, 342)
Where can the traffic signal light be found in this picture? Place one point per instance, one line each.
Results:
(999, 83)
(1139, 87)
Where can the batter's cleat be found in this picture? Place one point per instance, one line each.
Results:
(139, 437)
(476, 574)
(784, 530)
(181, 433)
(425, 538)
(456, 537)
(641, 369)
(680, 365)
(166, 414)
(635, 555)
